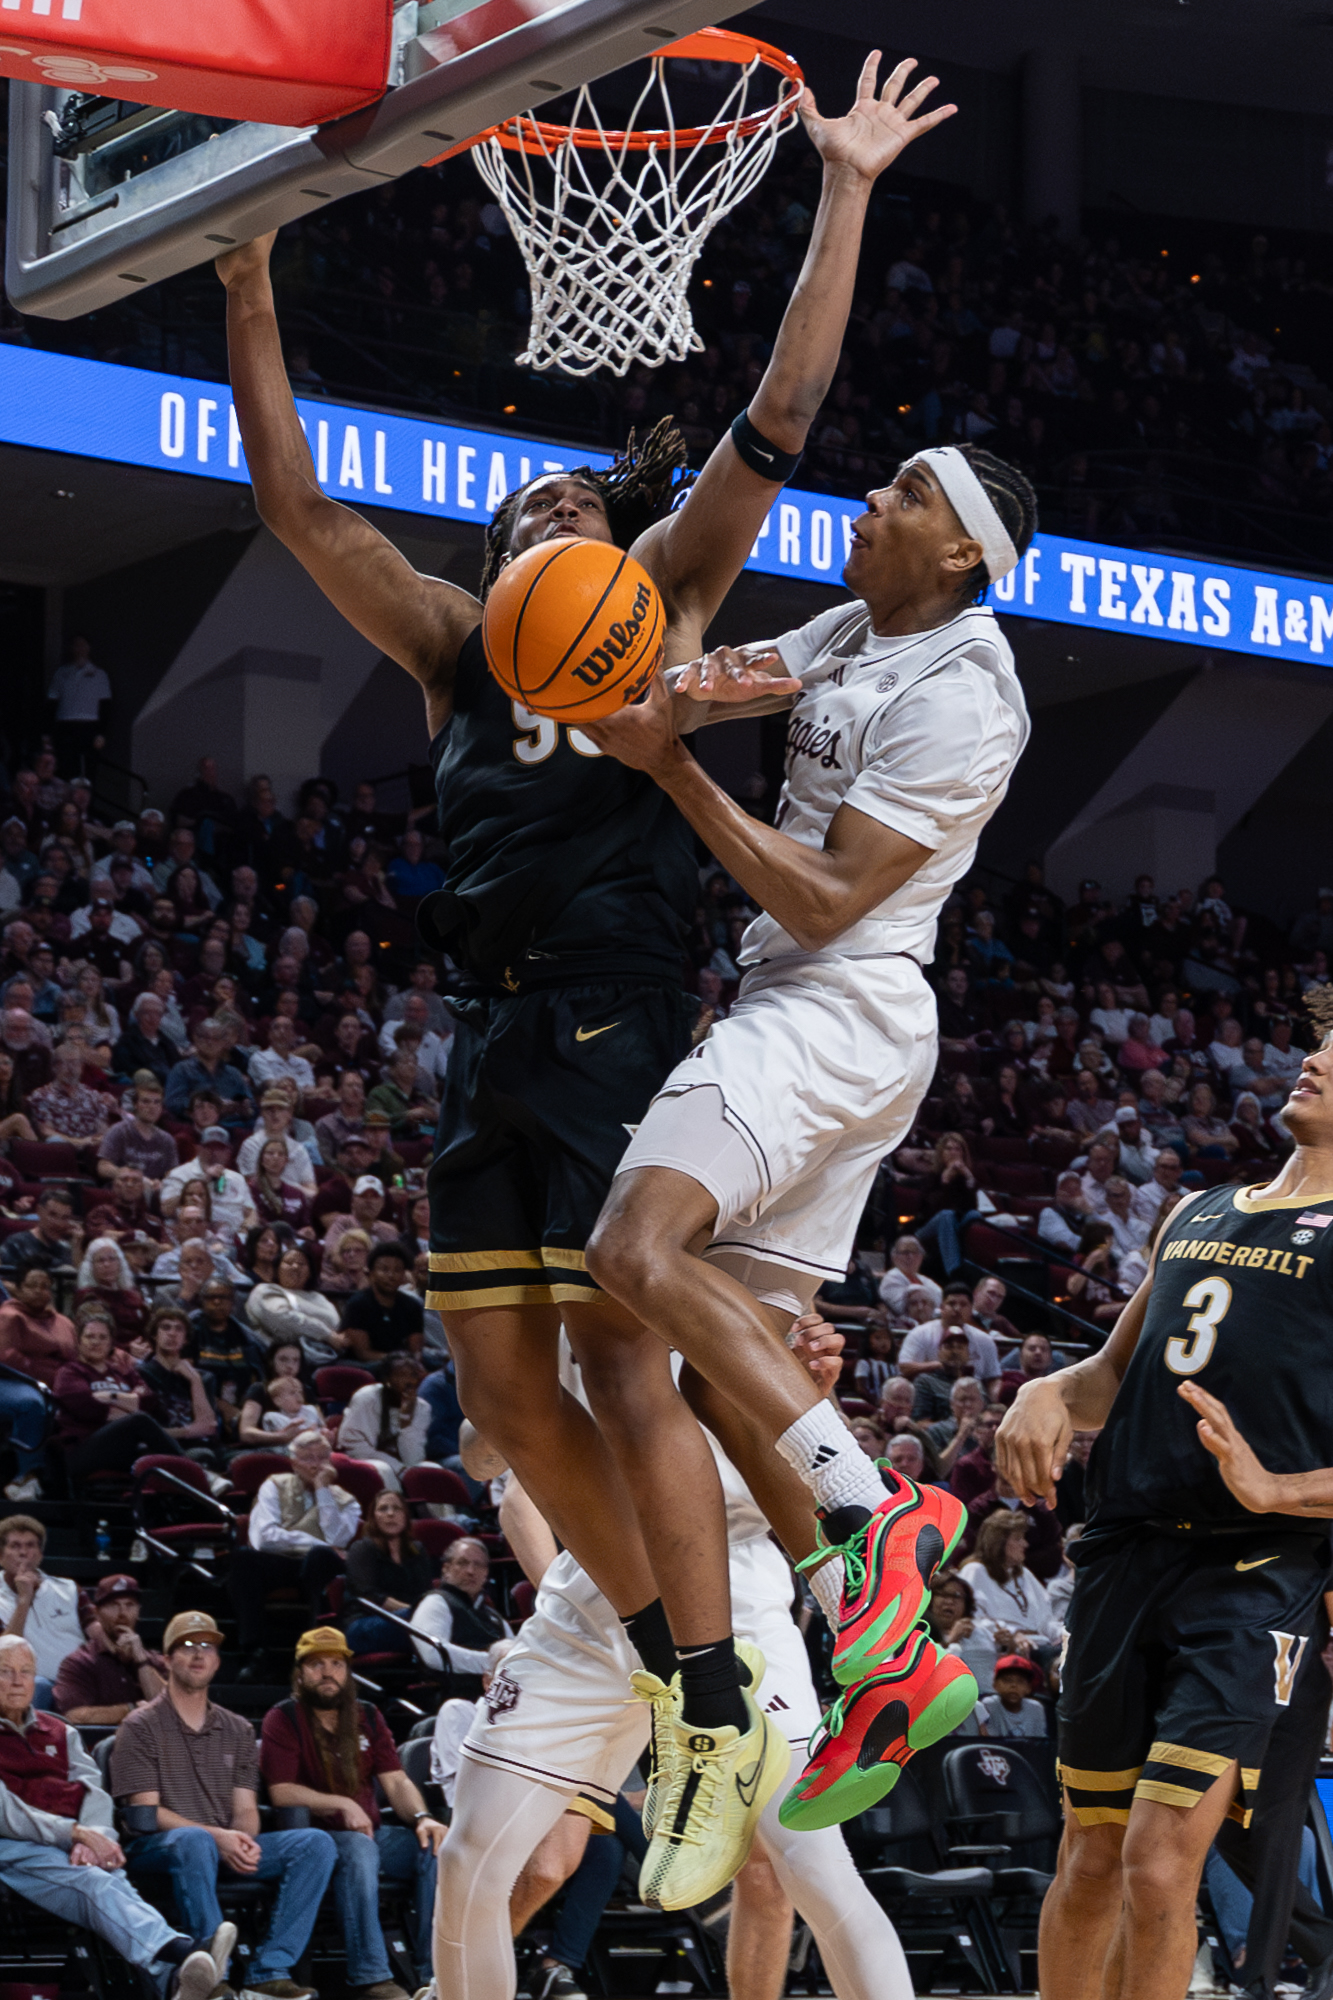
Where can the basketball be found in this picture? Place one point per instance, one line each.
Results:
(573, 628)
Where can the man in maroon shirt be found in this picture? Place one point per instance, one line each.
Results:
(101, 1681)
(324, 1749)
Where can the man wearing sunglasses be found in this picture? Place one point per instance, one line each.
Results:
(198, 1764)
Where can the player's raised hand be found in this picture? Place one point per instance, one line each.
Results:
(880, 123)
(733, 674)
(1033, 1442)
(233, 266)
(1244, 1476)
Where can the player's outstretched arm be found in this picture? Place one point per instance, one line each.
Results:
(696, 554)
(417, 620)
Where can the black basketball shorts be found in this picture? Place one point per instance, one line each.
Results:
(543, 1092)
(1182, 1654)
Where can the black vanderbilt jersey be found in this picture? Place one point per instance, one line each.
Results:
(562, 862)
(1242, 1303)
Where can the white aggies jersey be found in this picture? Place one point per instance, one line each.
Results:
(921, 733)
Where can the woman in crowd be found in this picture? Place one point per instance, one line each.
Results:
(1012, 1047)
(193, 911)
(961, 1109)
(289, 1308)
(387, 1567)
(954, 1625)
(14, 1121)
(1255, 1138)
(344, 1268)
(35, 1341)
(106, 1415)
(877, 1365)
(419, 1214)
(951, 1200)
(350, 1045)
(263, 1250)
(106, 1279)
(284, 1358)
(1006, 1118)
(101, 1018)
(247, 959)
(868, 1435)
(1094, 1285)
(275, 1198)
(1207, 1135)
(386, 1422)
(1011, 1603)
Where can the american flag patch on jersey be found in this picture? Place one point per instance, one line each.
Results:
(1312, 1221)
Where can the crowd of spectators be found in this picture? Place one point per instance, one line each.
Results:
(1155, 379)
(221, 1053)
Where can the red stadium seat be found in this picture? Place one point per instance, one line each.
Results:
(339, 1382)
(360, 1478)
(436, 1486)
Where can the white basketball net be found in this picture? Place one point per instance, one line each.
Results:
(611, 233)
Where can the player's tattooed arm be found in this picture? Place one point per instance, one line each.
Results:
(419, 621)
(1262, 1492)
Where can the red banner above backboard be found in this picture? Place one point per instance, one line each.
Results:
(274, 62)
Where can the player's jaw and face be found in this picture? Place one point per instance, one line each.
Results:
(556, 506)
(909, 543)
(1308, 1112)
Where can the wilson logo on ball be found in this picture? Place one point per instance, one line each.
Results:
(573, 629)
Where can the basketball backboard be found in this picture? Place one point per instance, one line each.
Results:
(106, 195)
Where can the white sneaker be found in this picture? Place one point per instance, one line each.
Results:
(24, 1489)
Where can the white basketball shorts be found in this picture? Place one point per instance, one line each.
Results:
(561, 1712)
(786, 1109)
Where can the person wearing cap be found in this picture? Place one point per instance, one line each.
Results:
(104, 894)
(232, 1208)
(326, 1750)
(122, 845)
(112, 1672)
(98, 941)
(300, 1524)
(367, 1213)
(197, 1764)
(1011, 1710)
(58, 1847)
(1138, 1155)
(206, 1068)
(275, 1122)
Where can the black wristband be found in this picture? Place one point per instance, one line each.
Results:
(760, 455)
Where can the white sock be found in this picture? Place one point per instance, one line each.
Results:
(826, 1582)
(821, 1448)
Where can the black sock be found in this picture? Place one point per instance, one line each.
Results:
(650, 1636)
(843, 1523)
(710, 1683)
(176, 1950)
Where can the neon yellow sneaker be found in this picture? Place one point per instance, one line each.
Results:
(663, 1698)
(718, 1783)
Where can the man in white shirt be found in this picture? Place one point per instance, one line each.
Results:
(275, 1119)
(904, 1274)
(1280, 1058)
(42, 1609)
(920, 1351)
(1167, 1169)
(278, 1059)
(1129, 1231)
(1061, 1225)
(1138, 1155)
(124, 839)
(1226, 1049)
(300, 1524)
(122, 928)
(232, 1207)
(460, 1605)
(433, 1055)
(1098, 1169)
(79, 691)
(422, 981)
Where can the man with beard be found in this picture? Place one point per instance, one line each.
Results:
(325, 1750)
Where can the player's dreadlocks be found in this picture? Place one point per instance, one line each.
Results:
(639, 487)
(1319, 1006)
(1013, 499)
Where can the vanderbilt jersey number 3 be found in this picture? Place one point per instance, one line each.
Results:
(1210, 1299)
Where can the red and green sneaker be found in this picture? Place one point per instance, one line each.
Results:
(870, 1732)
(890, 1565)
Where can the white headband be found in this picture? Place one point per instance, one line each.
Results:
(973, 506)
